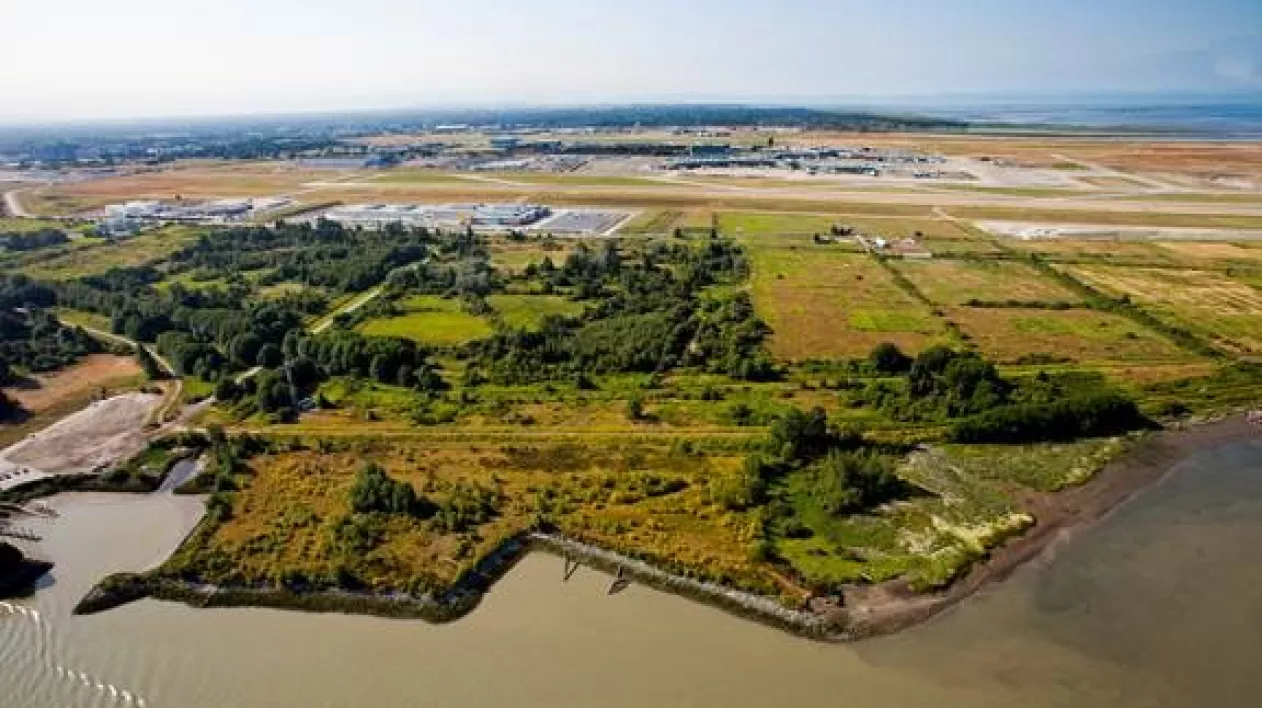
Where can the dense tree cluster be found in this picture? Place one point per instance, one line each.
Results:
(324, 254)
(465, 277)
(375, 492)
(19, 291)
(940, 383)
(9, 408)
(388, 360)
(34, 340)
(647, 314)
(465, 507)
(688, 114)
(148, 364)
(850, 481)
(32, 240)
(810, 474)
(1078, 416)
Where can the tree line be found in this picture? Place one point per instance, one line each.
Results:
(32, 240)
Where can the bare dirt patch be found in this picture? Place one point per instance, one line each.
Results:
(94, 373)
(100, 434)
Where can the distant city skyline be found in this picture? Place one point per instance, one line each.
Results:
(82, 59)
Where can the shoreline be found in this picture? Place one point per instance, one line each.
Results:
(892, 607)
(23, 578)
(868, 611)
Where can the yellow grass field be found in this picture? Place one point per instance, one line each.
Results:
(1117, 251)
(1244, 254)
(1226, 311)
(632, 497)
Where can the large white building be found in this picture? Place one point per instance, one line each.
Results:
(439, 215)
(217, 211)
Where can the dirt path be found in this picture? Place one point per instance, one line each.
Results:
(13, 205)
(357, 302)
(173, 388)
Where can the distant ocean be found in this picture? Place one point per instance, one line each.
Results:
(1241, 118)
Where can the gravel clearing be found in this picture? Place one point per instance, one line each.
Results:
(98, 435)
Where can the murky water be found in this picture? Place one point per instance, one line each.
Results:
(1161, 605)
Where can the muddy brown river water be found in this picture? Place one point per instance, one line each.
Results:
(1158, 605)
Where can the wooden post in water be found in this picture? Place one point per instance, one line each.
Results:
(619, 583)
(571, 567)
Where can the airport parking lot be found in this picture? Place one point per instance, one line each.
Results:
(575, 221)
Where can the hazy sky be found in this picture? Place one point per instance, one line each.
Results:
(93, 58)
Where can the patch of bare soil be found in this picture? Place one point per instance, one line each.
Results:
(93, 373)
(101, 434)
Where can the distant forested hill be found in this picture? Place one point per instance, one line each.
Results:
(692, 115)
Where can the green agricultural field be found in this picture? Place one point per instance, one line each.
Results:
(738, 223)
(955, 282)
(822, 302)
(368, 397)
(430, 320)
(1084, 336)
(14, 225)
(528, 311)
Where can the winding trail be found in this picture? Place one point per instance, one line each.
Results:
(13, 205)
